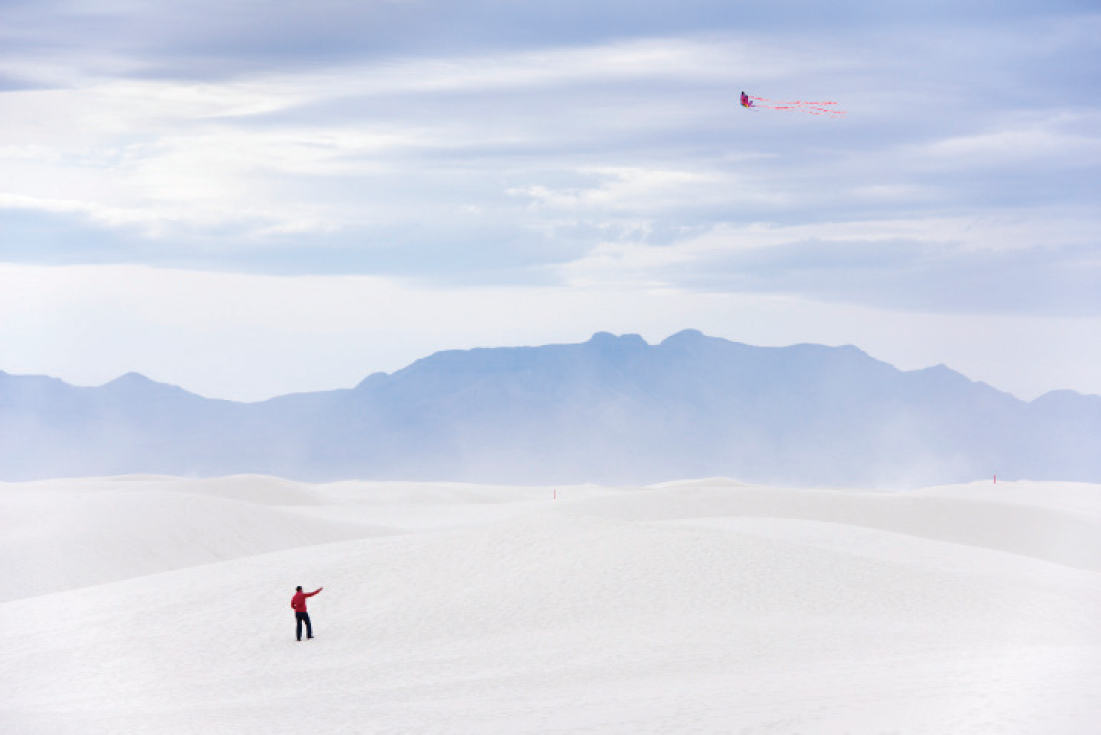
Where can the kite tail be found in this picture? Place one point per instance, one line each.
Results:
(811, 108)
(791, 102)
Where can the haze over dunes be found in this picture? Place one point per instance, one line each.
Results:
(613, 409)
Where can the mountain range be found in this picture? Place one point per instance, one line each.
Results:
(613, 409)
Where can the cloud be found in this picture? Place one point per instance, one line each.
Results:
(495, 142)
(211, 41)
(1009, 265)
(1051, 280)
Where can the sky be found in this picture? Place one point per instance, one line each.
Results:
(257, 198)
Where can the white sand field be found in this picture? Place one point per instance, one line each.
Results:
(161, 605)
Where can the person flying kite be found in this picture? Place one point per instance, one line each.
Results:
(811, 108)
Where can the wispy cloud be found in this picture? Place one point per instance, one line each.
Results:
(998, 265)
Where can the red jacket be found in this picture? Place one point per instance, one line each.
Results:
(298, 602)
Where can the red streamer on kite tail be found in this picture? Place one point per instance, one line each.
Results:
(808, 110)
(791, 102)
(811, 108)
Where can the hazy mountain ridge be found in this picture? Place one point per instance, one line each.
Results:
(613, 409)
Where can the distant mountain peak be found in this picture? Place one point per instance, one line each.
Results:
(136, 382)
(372, 380)
(692, 339)
(686, 335)
(131, 378)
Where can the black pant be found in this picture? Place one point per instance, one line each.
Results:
(300, 616)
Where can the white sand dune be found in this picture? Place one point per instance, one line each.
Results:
(57, 536)
(1038, 521)
(1081, 497)
(707, 606)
